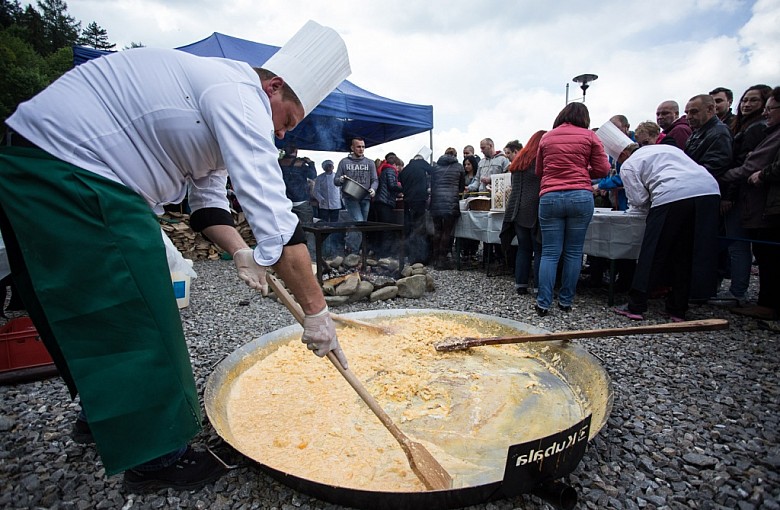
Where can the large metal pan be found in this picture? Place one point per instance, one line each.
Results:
(354, 189)
(577, 368)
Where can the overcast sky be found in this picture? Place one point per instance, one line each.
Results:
(493, 69)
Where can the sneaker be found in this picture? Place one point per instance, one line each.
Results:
(541, 312)
(625, 312)
(726, 298)
(521, 291)
(81, 432)
(565, 308)
(192, 471)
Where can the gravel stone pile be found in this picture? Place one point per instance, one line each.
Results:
(694, 423)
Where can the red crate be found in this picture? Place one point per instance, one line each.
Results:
(20, 346)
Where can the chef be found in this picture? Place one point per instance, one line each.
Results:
(103, 148)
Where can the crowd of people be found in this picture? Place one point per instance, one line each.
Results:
(121, 136)
(559, 176)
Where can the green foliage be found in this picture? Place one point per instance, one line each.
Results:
(22, 72)
(59, 29)
(96, 37)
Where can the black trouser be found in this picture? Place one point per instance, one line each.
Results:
(415, 232)
(443, 226)
(672, 232)
(768, 257)
(385, 243)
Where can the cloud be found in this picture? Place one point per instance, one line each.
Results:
(496, 69)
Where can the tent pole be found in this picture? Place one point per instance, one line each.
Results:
(431, 136)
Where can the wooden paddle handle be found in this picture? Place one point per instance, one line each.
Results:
(370, 401)
(454, 344)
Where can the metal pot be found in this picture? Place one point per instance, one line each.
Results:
(575, 366)
(354, 189)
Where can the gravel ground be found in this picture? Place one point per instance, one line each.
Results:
(694, 423)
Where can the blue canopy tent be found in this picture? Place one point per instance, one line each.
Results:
(348, 111)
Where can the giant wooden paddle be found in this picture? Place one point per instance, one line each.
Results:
(424, 465)
(458, 344)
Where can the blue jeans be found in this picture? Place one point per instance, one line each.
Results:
(740, 255)
(564, 217)
(358, 211)
(528, 250)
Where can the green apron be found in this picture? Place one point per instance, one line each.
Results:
(89, 262)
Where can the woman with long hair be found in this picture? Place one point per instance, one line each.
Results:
(469, 246)
(749, 131)
(522, 213)
(569, 157)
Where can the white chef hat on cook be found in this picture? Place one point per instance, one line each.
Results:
(313, 63)
(425, 152)
(613, 139)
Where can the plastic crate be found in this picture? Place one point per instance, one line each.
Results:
(21, 347)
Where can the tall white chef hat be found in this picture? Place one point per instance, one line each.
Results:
(613, 139)
(425, 152)
(313, 63)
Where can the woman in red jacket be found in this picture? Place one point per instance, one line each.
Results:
(569, 157)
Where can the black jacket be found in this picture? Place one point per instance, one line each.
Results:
(414, 179)
(448, 178)
(523, 206)
(711, 146)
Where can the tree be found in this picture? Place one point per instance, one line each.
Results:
(9, 13)
(96, 37)
(134, 45)
(29, 27)
(60, 30)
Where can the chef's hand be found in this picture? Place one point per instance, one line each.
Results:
(319, 335)
(250, 271)
(371, 192)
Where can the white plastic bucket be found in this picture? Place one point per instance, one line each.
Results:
(181, 288)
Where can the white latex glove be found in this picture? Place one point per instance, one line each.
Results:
(250, 271)
(371, 192)
(319, 335)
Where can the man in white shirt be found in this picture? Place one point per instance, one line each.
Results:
(112, 139)
(682, 201)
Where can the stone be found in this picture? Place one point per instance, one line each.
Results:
(430, 285)
(384, 293)
(364, 289)
(388, 263)
(334, 301)
(336, 262)
(352, 260)
(412, 287)
(349, 286)
(406, 271)
(419, 270)
(700, 460)
(328, 290)
(383, 281)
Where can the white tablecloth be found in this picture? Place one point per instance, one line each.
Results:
(480, 225)
(615, 235)
(611, 234)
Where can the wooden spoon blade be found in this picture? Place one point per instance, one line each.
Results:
(427, 468)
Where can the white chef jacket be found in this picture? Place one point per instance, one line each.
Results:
(660, 174)
(160, 121)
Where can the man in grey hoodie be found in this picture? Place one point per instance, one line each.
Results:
(363, 170)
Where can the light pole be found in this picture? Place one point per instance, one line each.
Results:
(584, 81)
